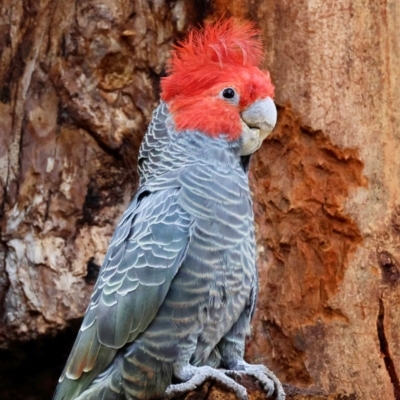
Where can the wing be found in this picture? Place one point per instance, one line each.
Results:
(145, 253)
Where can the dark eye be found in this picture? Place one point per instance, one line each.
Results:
(228, 93)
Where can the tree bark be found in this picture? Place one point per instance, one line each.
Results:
(327, 198)
(78, 83)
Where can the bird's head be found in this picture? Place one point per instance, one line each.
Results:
(215, 84)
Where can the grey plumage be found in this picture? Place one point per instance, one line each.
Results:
(178, 284)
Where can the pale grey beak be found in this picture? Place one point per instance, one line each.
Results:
(257, 122)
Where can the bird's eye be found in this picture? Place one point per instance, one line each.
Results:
(228, 93)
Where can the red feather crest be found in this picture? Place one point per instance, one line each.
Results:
(199, 60)
(230, 41)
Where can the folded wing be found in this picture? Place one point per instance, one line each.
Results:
(145, 253)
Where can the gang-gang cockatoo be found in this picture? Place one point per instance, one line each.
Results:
(178, 286)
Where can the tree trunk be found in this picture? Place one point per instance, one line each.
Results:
(327, 196)
(78, 83)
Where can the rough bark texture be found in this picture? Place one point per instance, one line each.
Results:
(327, 198)
(78, 85)
(78, 82)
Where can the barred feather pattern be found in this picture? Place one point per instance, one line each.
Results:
(179, 280)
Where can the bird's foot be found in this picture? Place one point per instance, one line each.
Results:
(193, 377)
(267, 378)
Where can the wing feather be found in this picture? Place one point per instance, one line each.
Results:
(146, 251)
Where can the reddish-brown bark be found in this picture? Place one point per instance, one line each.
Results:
(300, 182)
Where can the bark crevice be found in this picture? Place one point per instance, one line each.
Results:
(4, 281)
(384, 347)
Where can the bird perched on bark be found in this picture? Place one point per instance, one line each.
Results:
(178, 286)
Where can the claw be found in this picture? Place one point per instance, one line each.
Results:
(267, 378)
(196, 376)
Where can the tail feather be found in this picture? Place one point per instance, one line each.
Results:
(108, 385)
(135, 375)
(144, 377)
(70, 389)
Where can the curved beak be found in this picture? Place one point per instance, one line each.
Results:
(257, 122)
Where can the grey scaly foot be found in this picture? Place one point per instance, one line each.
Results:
(267, 378)
(193, 377)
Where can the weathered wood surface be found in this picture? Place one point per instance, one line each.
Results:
(78, 82)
